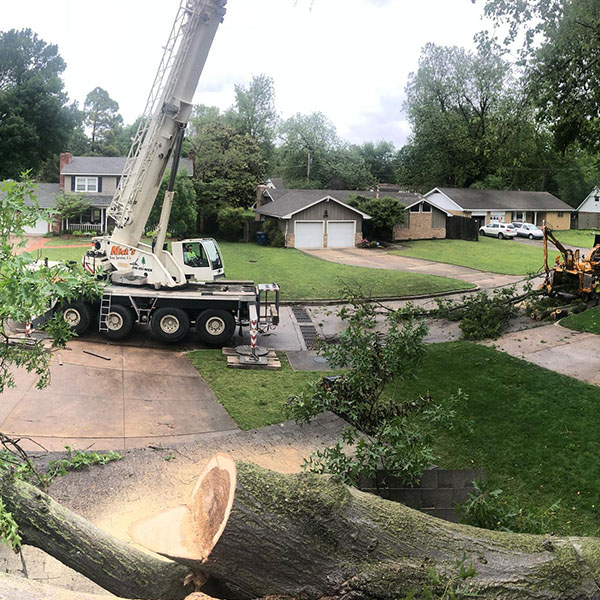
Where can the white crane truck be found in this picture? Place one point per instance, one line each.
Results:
(169, 290)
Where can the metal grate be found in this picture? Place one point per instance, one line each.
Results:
(300, 314)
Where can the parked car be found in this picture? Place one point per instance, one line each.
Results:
(499, 230)
(528, 230)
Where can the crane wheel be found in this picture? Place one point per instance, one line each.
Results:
(215, 326)
(170, 324)
(119, 322)
(78, 316)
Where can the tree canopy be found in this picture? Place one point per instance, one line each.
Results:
(101, 116)
(35, 121)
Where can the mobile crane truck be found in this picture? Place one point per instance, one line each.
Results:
(169, 290)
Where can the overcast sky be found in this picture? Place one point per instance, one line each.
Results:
(349, 59)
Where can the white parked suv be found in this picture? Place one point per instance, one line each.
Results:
(529, 230)
(499, 230)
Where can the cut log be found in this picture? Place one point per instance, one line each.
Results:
(188, 533)
(115, 565)
(309, 536)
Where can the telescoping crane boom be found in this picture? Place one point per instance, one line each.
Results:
(158, 138)
(147, 284)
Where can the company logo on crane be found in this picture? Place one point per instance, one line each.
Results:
(119, 251)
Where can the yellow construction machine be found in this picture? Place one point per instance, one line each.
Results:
(572, 276)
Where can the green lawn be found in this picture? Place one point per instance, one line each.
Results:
(536, 432)
(588, 321)
(252, 398)
(582, 238)
(303, 277)
(508, 257)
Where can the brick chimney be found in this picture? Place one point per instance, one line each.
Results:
(65, 159)
(260, 199)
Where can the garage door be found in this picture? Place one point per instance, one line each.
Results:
(340, 235)
(309, 234)
(40, 226)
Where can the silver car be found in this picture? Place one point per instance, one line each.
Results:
(528, 230)
(498, 229)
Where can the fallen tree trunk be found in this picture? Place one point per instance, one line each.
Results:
(309, 536)
(115, 565)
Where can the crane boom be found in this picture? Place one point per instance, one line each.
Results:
(167, 112)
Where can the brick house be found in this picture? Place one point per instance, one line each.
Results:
(485, 206)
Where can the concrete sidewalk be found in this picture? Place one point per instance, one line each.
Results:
(556, 348)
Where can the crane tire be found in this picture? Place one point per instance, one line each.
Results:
(170, 324)
(215, 326)
(78, 315)
(119, 322)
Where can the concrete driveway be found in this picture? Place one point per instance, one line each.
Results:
(379, 259)
(140, 396)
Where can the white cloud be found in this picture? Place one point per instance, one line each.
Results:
(349, 59)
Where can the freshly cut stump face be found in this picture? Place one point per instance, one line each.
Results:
(188, 533)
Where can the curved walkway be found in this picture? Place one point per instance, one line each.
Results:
(378, 259)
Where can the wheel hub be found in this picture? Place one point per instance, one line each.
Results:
(114, 321)
(169, 324)
(72, 317)
(215, 326)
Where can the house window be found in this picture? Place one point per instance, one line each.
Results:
(559, 215)
(86, 184)
(426, 207)
(415, 208)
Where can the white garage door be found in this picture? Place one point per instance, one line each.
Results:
(340, 235)
(40, 226)
(309, 234)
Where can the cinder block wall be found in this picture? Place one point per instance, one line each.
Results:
(438, 492)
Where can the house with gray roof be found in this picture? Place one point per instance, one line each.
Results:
(503, 205)
(312, 218)
(587, 214)
(96, 178)
(324, 218)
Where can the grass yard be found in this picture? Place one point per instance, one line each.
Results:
(582, 238)
(507, 257)
(588, 321)
(536, 432)
(303, 277)
(252, 398)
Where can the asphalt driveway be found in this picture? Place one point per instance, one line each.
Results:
(139, 396)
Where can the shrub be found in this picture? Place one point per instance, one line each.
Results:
(487, 508)
(77, 233)
(274, 236)
(231, 223)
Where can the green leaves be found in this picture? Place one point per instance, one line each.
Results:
(29, 289)
(383, 433)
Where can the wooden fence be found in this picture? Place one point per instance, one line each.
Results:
(462, 228)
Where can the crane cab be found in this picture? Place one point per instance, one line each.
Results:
(200, 259)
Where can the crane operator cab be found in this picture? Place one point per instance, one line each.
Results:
(200, 259)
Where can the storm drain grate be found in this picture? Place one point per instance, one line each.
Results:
(309, 334)
(300, 314)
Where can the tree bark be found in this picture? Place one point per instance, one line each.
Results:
(115, 565)
(308, 536)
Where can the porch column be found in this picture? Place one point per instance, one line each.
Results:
(535, 218)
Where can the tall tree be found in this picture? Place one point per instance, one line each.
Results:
(101, 116)
(35, 122)
(470, 121)
(561, 51)
(380, 158)
(254, 112)
(228, 165)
